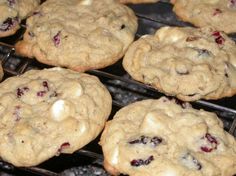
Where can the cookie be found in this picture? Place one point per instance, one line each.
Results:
(165, 137)
(185, 62)
(12, 12)
(48, 112)
(219, 14)
(79, 34)
(1, 71)
(138, 1)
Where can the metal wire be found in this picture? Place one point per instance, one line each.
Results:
(151, 92)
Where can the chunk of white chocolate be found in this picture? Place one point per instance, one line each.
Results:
(86, 2)
(61, 109)
(71, 89)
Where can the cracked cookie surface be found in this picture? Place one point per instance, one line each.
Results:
(167, 137)
(48, 112)
(79, 34)
(186, 62)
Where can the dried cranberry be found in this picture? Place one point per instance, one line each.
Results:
(57, 39)
(41, 93)
(21, 91)
(45, 85)
(211, 139)
(232, 3)
(213, 143)
(206, 149)
(218, 38)
(63, 147)
(217, 12)
(140, 162)
(8, 24)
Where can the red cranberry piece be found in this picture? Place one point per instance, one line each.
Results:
(212, 140)
(45, 85)
(41, 93)
(218, 38)
(8, 24)
(140, 162)
(57, 39)
(217, 12)
(63, 147)
(216, 33)
(232, 3)
(21, 91)
(206, 149)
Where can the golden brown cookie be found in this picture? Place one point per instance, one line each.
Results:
(217, 13)
(79, 34)
(186, 62)
(48, 112)
(12, 12)
(166, 138)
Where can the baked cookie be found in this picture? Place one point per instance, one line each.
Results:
(217, 13)
(186, 62)
(12, 12)
(138, 1)
(48, 112)
(1, 72)
(79, 34)
(164, 137)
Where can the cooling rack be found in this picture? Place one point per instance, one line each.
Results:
(123, 89)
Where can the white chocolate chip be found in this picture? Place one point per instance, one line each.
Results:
(61, 110)
(86, 2)
(72, 89)
(152, 123)
(114, 156)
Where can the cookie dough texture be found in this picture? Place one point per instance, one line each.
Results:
(186, 62)
(1, 72)
(12, 12)
(161, 137)
(217, 13)
(138, 1)
(79, 34)
(48, 112)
